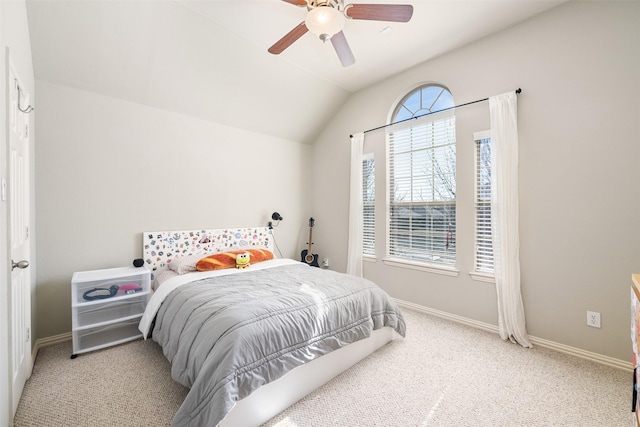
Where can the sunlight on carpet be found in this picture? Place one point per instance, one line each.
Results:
(447, 374)
(286, 423)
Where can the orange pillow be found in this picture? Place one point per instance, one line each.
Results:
(228, 259)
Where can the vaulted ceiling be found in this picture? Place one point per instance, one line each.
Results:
(209, 59)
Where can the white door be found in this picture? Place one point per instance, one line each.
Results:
(20, 287)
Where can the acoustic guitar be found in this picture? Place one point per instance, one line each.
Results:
(306, 255)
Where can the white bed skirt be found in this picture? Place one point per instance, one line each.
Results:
(273, 398)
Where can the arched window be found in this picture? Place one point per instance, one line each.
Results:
(423, 100)
(422, 178)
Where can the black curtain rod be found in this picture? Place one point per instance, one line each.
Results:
(428, 114)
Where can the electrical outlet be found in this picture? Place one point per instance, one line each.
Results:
(593, 319)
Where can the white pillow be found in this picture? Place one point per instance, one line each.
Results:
(185, 264)
(162, 277)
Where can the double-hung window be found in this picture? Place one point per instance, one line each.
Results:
(483, 243)
(422, 179)
(368, 205)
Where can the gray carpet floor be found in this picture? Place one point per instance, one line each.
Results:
(442, 374)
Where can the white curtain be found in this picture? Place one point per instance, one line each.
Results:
(354, 256)
(504, 217)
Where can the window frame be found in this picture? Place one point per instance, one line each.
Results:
(445, 268)
(480, 274)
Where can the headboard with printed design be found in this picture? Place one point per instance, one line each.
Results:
(160, 247)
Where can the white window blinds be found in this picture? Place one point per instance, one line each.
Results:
(422, 192)
(368, 205)
(483, 244)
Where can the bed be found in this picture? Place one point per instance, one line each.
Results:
(249, 342)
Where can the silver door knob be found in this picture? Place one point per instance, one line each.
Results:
(20, 264)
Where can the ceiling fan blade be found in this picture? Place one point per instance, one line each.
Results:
(380, 12)
(297, 2)
(288, 39)
(339, 42)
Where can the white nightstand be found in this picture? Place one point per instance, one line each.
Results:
(103, 322)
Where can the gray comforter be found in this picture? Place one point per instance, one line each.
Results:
(226, 336)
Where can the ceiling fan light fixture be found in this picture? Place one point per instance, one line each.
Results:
(325, 22)
(326, 19)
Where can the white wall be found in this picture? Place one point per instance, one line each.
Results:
(14, 36)
(162, 53)
(109, 169)
(579, 115)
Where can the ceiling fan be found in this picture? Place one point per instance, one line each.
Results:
(326, 19)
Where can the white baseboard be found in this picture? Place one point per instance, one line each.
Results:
(46, 342)
(573, 351)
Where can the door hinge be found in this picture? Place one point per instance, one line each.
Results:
(26, 232)
(28, 334)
